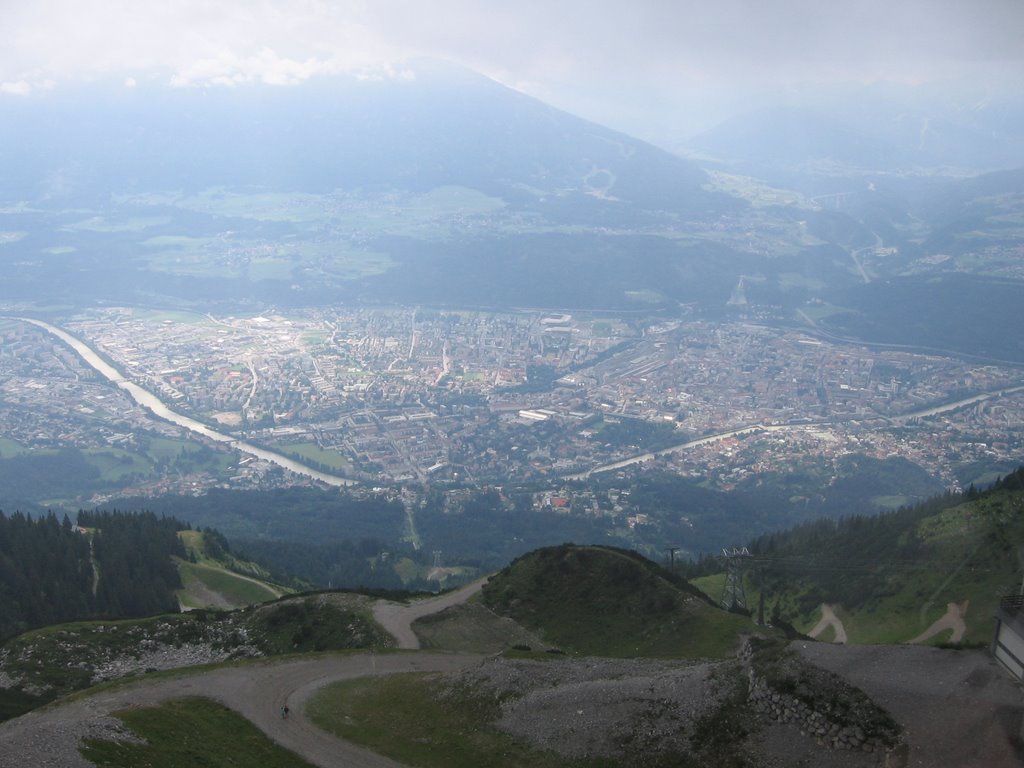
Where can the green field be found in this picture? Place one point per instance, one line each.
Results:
(403, 717)
(199, 579)
(261, 259)
(794, 280)
(115, 464)
(757, 192)
(173, 316)
(270, 268)
(168, 449)
(186, 733)
(823, 311)
(9, 448)
(313, 452)
(295, 207)
(132, 224)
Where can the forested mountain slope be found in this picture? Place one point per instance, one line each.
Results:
(933, 572)
(114, 565)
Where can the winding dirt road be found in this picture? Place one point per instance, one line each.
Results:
(952, 619)
(50, 738)
(829, 619)
(257, 691)
(397, 618)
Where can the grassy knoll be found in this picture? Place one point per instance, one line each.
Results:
(60, 659)
(314, 624)
(189, 732)
(607, 602)
(213, 577)
(711, 585)
(404, 717)
(235, 590)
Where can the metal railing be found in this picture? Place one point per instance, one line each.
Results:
(1011, 602)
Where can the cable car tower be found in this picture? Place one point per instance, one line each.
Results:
(734, 595)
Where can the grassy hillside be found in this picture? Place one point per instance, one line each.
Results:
(890, 578)
(40, 665)
(212, 577)
(610, 602)
(189, 732)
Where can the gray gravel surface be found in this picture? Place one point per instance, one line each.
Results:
(959, 708)
(596, 707)
(50, 738)
(397, 618)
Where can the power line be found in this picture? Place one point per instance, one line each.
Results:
(734, 594)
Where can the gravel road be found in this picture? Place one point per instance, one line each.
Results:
(397, 618)
(829, 619)
(952, 619)
(959, 708)
(49, 738)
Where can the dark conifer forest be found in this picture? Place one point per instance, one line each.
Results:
(115, 565)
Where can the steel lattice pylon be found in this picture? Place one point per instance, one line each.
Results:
(734, 594)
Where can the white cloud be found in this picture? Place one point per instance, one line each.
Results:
(606, 60)
(16, 88)
(266, 67)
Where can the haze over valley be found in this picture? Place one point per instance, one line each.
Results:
(309, 309)
(433, 279)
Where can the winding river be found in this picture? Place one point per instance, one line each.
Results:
(157, 407)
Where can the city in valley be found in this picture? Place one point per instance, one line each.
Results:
(476, 398)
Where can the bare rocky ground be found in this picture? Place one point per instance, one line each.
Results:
(49, 738)
(587, 707)
(956, 708)
(94, 652)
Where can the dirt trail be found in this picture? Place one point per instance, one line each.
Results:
(952, 619)
(258, 692)
(829, 619)
(51, 737)
(397, 618)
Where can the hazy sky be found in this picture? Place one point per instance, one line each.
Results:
(640, 65)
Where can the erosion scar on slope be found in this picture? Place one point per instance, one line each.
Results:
(952, 619)
(829, 619)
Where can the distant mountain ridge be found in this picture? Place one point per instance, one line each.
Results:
(866, 130)
(442, 188)
(439, 126)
